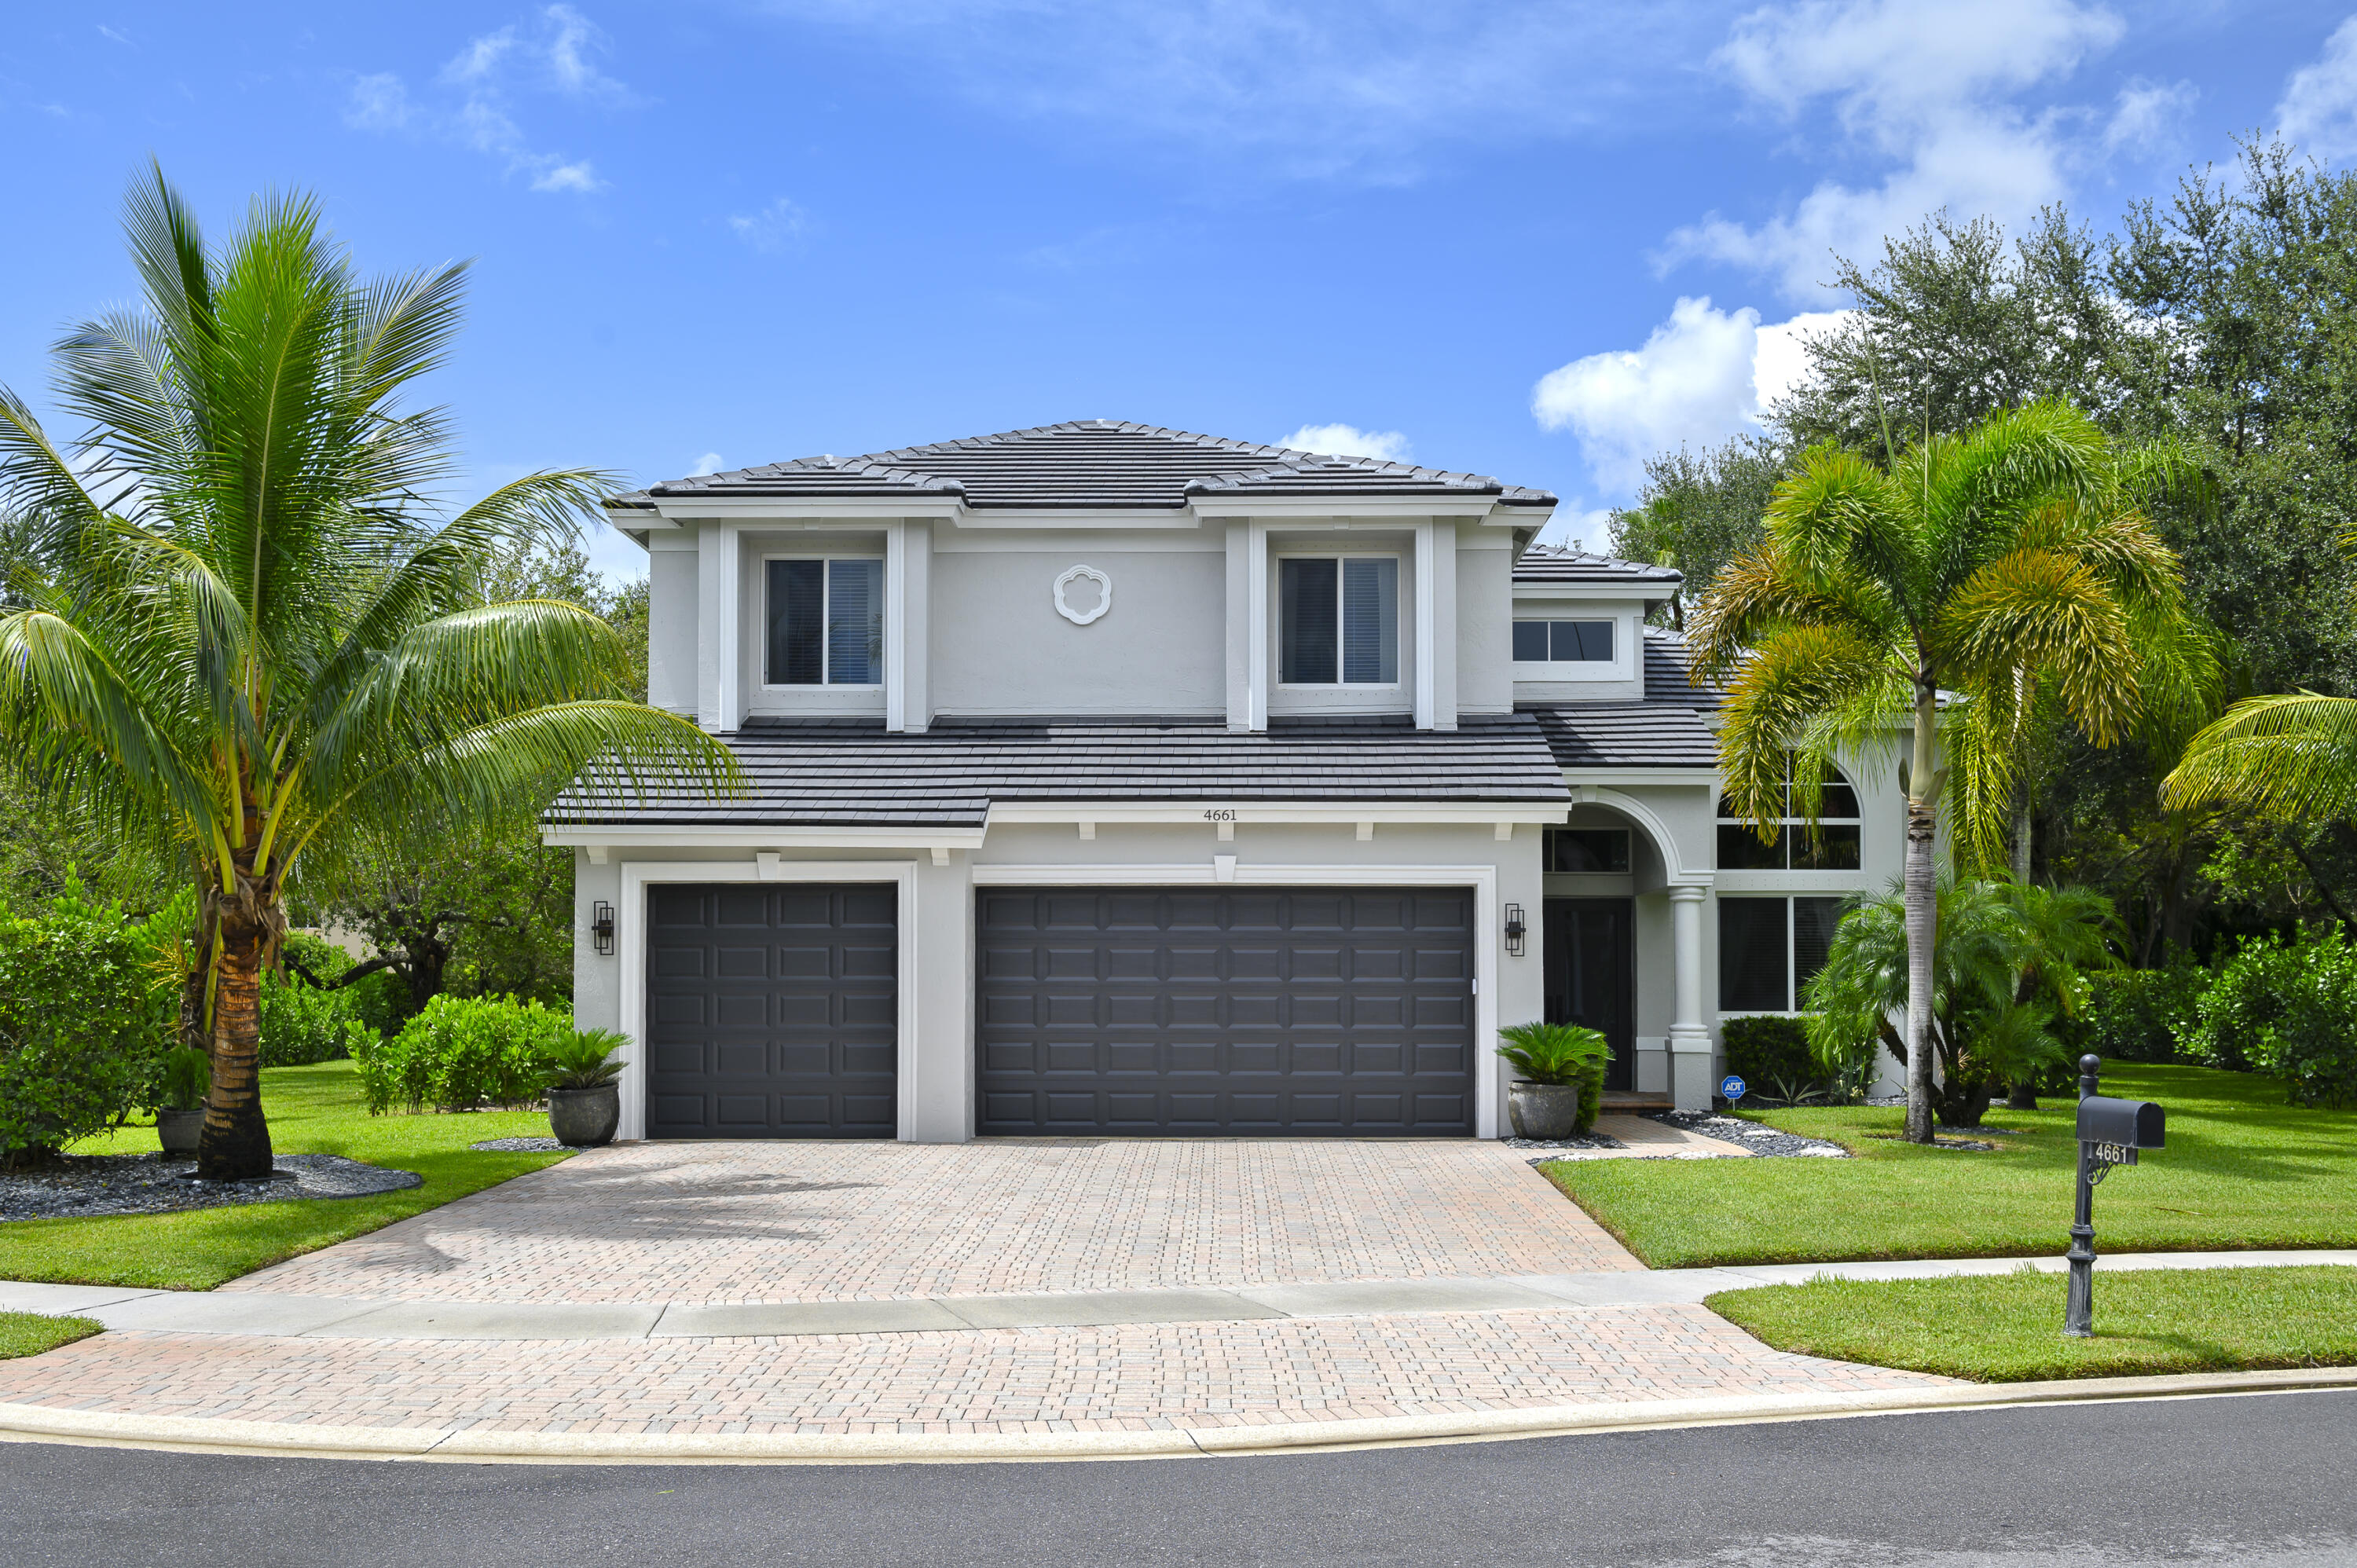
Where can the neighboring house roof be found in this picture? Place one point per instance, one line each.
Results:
(1553, 563)
(1086, 463)
(1671, 728)
(853, 772)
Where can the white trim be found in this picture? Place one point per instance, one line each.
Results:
(1587, 778)
(1104, 594)
(1274, 811)
(1627, 634)
(1188, 540)
(631, 838)
(896, 619)
(1673, 856)
(1800, 882)
(1227, 869)
(1428, 625)
(630, 917)
(1654, 591)
(1484, 508)
(1263, 626)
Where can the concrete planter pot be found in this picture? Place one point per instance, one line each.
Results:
(179, 1131)
(585, 1118)
(1543, 1110)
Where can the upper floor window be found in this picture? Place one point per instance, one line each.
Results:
(1562, 642)
(1339, 621)
(827, 623)
(1832, 846)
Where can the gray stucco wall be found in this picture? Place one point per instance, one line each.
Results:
(670, 621)
(1485, 669)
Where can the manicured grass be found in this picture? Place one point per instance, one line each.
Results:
(312, 1110)
(29, 1333)
(2242, 1169)
(2009, 1328)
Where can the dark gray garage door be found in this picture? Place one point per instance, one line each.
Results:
(1297, 1011)
(770, 1011)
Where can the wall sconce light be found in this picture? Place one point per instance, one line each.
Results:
(1515, 931)
(602, 926)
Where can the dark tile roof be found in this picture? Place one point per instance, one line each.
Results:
(853, 773)
(1627, 735)
(1551, 563)
(1666, 677)
(1087, 463)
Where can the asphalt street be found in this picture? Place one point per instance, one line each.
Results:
(2263, 1479)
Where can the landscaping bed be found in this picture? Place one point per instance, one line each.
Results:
(90, 1185)
(2008, 1328)
(312, 1109)
(2242, 1169)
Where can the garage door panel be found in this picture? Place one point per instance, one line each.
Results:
(1333, 1012)
(771, 1012)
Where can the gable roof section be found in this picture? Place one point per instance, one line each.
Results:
(1085, 462)
(854, 773)
(1553, 563)
(1671, 728)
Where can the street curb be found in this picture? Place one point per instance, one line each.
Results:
(35, 1424)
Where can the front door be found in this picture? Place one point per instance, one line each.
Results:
(1590, 976)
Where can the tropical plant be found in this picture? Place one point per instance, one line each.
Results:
(2287, 1008)
(181, 1083)
(1772, 1052)
(1563, 1055)
(585, 1058)
(1921, 601)
(462, 1052)
(244, 633)
(84, 1021)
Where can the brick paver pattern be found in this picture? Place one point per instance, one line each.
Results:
(713, 1222)
(1130, 1377)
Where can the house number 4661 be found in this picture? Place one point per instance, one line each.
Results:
(1221, 814)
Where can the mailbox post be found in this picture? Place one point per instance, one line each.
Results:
(2110, 1132)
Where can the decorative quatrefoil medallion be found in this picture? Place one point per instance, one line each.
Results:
(1075, 614)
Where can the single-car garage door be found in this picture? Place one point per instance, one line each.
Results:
(1282, 1011)
(770, 1011)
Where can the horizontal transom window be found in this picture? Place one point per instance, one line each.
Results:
(1588, 851)
(827, 623)
(1562, 642)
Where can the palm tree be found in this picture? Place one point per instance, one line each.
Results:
(2287, 755)
(241, 631)
(1929, 600)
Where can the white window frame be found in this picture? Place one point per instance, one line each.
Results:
(1399, 640)
(1792, 952)
(825, 609)
(1628, 643)
(1788, 821)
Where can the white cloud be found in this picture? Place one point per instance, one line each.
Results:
(2318, 109)
(778, 227)
(480, 83)
(708, 464)
(1349, 441)
(1702, 376)
(1927, 88)
(2146, 114)
(378, 102)
(1314, 87)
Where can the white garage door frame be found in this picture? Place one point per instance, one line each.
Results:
(633, 920)
(1227, 872)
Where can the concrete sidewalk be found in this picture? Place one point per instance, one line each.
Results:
(256, 1313)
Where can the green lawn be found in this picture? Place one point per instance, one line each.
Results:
(2242, 1169)
(2009, 1328)
(29, 1333)
(313, 1111)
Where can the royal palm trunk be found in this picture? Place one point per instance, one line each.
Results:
(1922, 912)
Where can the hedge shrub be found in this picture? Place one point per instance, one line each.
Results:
(86, 1014)
(2140, 1015)
(2287, 1009)
(1772, 1055)
(461, 1052)
(302, 1024)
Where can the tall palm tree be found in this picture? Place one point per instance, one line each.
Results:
(242, 631)
(1928, 600)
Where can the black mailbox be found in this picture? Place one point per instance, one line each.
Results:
(2123, 1123)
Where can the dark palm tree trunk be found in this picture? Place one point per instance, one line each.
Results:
(1922, 912)
(236, 1144)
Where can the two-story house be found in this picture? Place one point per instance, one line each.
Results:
(1108, 780)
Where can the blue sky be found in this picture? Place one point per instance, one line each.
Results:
(1535, 240)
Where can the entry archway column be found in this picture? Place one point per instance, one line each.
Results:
(1690, 1047)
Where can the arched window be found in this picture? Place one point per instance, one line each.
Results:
(1831, 845)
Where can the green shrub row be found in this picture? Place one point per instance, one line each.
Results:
(462, 1052)
(88, 1003)
(301, 1021)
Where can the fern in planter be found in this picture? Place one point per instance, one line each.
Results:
(582, 1059)
(1561, 1054)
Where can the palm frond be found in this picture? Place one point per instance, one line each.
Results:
(1792, 678)
(2289, 756)
(2036, 611)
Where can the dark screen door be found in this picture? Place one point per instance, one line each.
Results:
(1590, 976)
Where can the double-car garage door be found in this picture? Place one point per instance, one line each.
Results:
(1273, 1012)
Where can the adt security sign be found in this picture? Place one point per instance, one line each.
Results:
(1732, 1086)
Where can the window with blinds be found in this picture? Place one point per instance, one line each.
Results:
(827, 623)
(1338, 620)
(1770, 949)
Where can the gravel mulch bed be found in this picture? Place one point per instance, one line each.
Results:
(1592, 1141)
(1750, 1135)
(517, 1145)
(77, 1186)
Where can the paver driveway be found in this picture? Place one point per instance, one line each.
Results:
(707, 1222)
